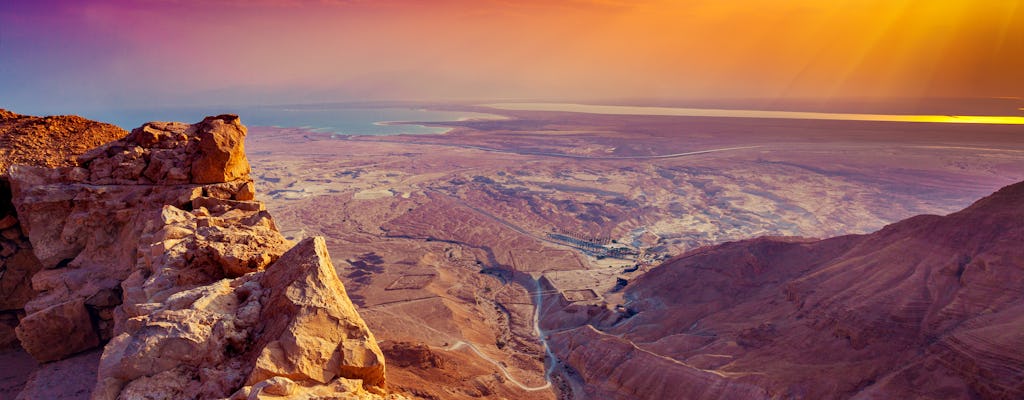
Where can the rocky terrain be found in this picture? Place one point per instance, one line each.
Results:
(43, 142)
(519, 258)
(152, 248)
(927, 308)
(450, 240)
(49, 141)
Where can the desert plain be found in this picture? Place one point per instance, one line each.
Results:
(455, 246)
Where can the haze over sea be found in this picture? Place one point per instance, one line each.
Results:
(342, 120)
(762, 114)
(402, 118)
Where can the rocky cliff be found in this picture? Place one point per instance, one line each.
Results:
(153, 247)
(931, 307)
(43, 142)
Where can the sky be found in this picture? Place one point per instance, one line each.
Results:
(65, 56)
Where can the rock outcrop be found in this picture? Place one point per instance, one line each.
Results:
(284, 331)
(86, 222)
(930, 307)
(154, 245)
(50, 141)
(42, 142)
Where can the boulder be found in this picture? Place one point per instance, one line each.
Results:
(58, 331)
(291, 326)
(222, 155)
(311, 330)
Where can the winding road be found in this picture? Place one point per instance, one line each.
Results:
(549, 360)
(460, 344)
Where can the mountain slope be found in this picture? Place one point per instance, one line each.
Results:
(929, 307)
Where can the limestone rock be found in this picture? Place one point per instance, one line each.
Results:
(221, 148)
(49, 141)
(84, 223)
(312, 331)
(16, 273)
(170, 153)
(338, 389)
(43, 142)
(58, 331)
(289, 327)
(153, 242)
(180, 250)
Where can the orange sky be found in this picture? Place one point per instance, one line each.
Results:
(177, 51)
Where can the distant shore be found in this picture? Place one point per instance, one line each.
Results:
(764, 114)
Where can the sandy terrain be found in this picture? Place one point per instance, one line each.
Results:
(439, 238)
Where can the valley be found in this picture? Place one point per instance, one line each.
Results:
(447, 243)
(528, 200)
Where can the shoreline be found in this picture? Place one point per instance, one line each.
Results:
(762, 114)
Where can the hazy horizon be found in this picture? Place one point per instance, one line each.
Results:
(61, 56)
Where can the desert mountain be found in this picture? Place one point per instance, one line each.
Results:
(930, 307)
(153, 248)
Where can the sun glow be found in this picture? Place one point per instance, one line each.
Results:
(731, 113)
(296, 51)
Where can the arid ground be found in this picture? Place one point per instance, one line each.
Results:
(446, 242)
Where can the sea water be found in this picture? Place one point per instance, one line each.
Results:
(342, 120)
(762, 114)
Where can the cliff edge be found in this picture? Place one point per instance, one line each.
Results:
(153, 247)
(42, 142)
